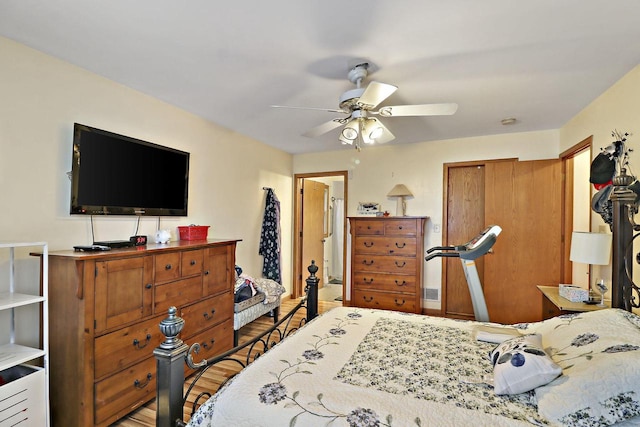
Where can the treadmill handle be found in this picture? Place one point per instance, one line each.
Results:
(442, 254)
(441, 248)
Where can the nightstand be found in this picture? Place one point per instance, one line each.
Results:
(553, 304)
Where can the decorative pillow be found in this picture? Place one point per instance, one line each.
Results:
(520, 364)
(599, 352)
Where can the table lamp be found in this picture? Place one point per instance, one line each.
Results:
(400, 191)
(590, 248)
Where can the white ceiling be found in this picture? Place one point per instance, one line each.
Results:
(540, 61)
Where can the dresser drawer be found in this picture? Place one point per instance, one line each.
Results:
(215, 340)
(178, 293)
(206, 313)
(167, 267)
(396, 245)
(126, 346)
(384, 264)
(384, 301)
(191, 262)
(366, 227)
(120, 394)
(402, 227)
(385, 282)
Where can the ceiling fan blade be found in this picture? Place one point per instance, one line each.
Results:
(329, 110)
(418, 110)
(324, 128)
(374, 94)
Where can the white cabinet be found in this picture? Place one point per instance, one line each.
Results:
(24, 336)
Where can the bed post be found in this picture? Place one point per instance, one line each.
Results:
(622, 199)
(312, 291)
(170, 356)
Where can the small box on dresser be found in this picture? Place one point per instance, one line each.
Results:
(386, 262)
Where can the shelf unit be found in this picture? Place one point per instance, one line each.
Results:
(24, 395)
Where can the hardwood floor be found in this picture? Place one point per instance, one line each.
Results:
(146, 415)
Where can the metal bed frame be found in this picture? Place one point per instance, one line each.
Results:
(173, 353)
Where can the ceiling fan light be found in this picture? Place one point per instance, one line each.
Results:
(349, 133)
(376, 132)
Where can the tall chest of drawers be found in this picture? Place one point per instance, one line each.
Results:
(386, 262)
(105, 308)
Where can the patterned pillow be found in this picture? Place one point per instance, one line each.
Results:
(599, 352)
(520, 364)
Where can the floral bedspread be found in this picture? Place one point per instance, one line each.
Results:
(360, 367)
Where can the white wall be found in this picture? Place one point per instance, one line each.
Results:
(375, 170)
(40, 99)
(616, 109)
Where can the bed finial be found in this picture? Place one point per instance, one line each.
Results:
(170, 327)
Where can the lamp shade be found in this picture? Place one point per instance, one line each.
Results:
(590, 248)
(400, 190)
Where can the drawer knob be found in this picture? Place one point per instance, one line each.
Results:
(209, 316)
(206, 273)
(193, 262)
(205, 345)
(398, 303)
(148, 286)
(368, 244)
(400, 247)
(136, 343)
(404, 283)
(365, 262)
(138, 384)
(400, 265)
(364, 297)
(365, 280)
(167, 267)
(399, 227)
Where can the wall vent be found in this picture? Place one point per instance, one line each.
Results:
(431, 294)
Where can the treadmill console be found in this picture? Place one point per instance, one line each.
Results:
(487, 233)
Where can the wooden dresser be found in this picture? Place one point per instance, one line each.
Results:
(105, 308)
(386, 262)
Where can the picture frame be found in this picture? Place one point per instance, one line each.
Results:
(368, 208)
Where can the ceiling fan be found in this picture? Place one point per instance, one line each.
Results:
(360, 105)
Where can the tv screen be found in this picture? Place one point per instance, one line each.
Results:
(115, 174)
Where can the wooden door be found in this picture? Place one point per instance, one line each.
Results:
(124, 291)
(219, 269)
(464, 220)
(525, 199)
(313, 199)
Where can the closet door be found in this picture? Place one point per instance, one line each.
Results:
(525, 199)
(464, 220)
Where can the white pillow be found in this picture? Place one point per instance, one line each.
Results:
(599, 352)
(520, 364)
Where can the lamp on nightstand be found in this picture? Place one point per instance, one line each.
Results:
(590, 248)
(400, 191)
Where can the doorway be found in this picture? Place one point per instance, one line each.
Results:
(576, 162)
(319, 232)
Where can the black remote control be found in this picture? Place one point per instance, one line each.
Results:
(91, 248)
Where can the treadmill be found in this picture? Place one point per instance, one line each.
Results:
(468, 253)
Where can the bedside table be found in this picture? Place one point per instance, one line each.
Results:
(553, 304)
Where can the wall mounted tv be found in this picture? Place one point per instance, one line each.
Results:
(114, 174)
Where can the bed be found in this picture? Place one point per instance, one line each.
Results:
(361, 367)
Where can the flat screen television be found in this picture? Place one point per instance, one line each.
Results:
(115, 174)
